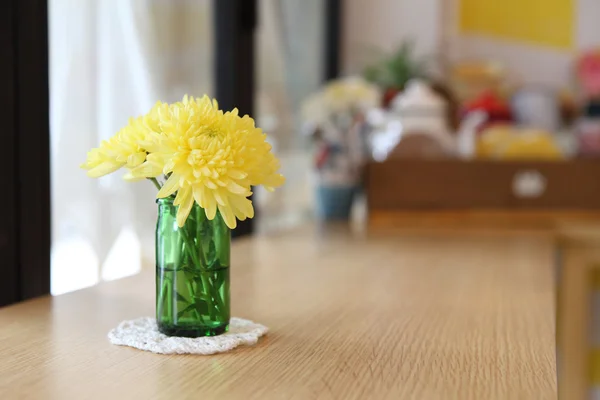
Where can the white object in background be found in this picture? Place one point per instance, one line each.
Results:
(529, 184)
(376, 117)
(537, 107)
(467, 134)
(384, 139)
(421, 110)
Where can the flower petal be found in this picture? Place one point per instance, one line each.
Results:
(208, 203)
(148, 169)
(220, 197)
(210, 184)
(104, 169)
(185, 205)
(170, 187)
(237, 189)
(243, 205)
(228, 216)
(136, 159)
(236, 174)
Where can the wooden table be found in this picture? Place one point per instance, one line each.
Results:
(418, 316)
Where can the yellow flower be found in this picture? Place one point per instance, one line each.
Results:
(123, 149)
(210, 157)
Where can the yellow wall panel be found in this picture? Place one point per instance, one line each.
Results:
(544, 22)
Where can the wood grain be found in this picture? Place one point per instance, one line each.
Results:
(412, 316)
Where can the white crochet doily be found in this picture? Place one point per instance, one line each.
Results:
(142, 333)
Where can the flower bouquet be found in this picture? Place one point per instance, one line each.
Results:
(203, 161)
(335, 115)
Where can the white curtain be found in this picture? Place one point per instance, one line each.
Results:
(110, 60)
(290, 53)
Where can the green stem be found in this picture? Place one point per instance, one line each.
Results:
(207, 283)
(208, 276)
(155, 181)
(189, 280)
(200, 219)
(217, 295)
(189, 247)
(170, 302)
(161, 296)
(190, 286)
(199, 266)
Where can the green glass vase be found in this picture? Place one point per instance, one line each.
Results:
(192, 273)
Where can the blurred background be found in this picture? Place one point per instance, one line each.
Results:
(381, 111)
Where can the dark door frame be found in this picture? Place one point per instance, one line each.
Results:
(25, 164)
(234, 43)
(333, 38)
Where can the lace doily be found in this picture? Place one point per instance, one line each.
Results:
(142, 333)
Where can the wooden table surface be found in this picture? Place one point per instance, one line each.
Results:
(391, 317)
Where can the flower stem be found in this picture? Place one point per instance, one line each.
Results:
(170, 301)
(192, 292)
(155, 183)
(163, 292)
(199, 263)
(210, 289)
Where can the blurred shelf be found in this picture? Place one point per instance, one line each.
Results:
(505, 194)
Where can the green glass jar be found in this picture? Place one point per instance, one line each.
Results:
(192, 273)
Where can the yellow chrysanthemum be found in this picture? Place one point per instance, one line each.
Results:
(210, 157)
(123, 149)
